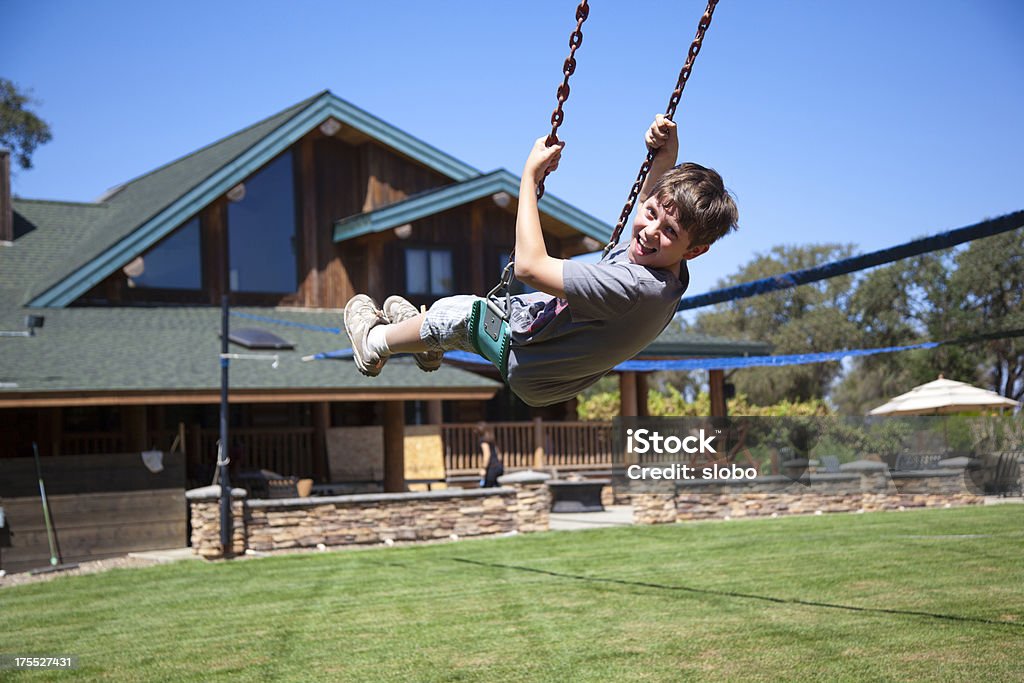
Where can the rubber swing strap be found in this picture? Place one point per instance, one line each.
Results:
(490, 334)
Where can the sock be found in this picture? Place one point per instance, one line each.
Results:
(376, 343)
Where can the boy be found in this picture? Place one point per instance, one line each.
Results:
(585, 318)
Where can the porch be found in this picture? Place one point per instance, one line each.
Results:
(302, 451)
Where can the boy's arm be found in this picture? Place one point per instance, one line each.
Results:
(663, 137)
(534, 266)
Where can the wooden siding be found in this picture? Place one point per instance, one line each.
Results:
(73, 474)
(94, 526)
(477, 234)
(391, 178)
(338, 191)
(101, 506)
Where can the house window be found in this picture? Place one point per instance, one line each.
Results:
(428, 271)
(174, 263)
(261, 231)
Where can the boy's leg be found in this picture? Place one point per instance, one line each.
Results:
(426, 335)
(399, 311)
(404, 337)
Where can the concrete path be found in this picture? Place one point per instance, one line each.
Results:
(613, 515)
(169, 555)
(999, 500)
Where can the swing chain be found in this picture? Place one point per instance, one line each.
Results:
(557, 116)
(568, 68)
(670, 112)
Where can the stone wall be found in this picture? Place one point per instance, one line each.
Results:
(204, 509)
(863, 486)
(653, 507)
(933, 488)
(378, 518)
(521, 504)
(533, 508)
(767, 496)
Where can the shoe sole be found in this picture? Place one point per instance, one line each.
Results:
(425, 366)
(360, 360)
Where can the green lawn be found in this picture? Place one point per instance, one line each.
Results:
(928, 595)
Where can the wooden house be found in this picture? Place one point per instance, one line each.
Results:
(288, 218)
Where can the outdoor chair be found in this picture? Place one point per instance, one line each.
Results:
(830, 464)
(288, 487)
(906, 462)
(1007, 475)
(263, 484)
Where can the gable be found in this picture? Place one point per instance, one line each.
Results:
(444, 198)
(144, 210)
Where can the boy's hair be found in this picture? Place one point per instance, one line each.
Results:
(702, 204)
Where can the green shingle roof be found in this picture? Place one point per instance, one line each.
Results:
(676, 343)
(177, 349)
(55, 232)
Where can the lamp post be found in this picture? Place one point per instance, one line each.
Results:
(222, 452)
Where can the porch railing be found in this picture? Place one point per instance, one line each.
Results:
(88, 443)
(537, 444)
(564, 446)
(286, 450)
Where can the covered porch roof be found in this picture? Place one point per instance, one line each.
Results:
(169, 355)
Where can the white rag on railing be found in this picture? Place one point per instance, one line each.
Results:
(153, 460)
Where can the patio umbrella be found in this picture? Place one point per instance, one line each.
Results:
(943, 397)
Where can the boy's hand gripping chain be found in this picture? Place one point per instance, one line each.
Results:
(684, 75)
(557, 116)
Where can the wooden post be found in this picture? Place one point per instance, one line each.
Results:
(642, 409)
(476, 248)
(157, 418)
(135, 428)
(196, 461)
(310, 243)
(321, 423)
(213, 225)
(627, 394)
(538, 443)
(716, 387)
(375, 264)
(394, 446)
(435, 412)
(49, 427)
(6, 209)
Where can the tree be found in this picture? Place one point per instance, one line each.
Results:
(989, 287)
(939, 297)
(806, 319)
(895, 305)
(21, 131)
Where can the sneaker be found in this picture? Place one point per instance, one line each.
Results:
(361, 315)
(397, 309)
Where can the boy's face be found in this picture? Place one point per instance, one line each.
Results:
(658, 239)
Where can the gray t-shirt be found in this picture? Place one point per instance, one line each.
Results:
(612, 311)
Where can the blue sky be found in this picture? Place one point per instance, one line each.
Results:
(866, 122)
